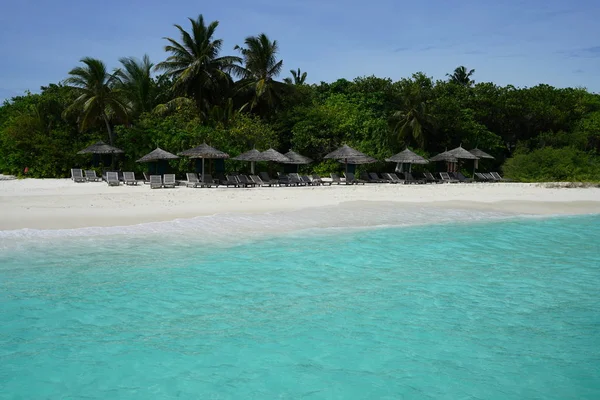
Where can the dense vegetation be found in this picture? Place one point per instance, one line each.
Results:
(236, 102)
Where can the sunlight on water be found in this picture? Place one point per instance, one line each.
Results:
(507, 309)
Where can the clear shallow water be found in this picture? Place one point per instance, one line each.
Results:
(487, 310)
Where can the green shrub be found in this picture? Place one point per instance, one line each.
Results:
(553, 165)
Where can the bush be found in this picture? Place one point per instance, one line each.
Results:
(553, 165)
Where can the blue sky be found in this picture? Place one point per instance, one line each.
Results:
(506, 41)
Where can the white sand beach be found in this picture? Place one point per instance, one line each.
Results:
(62, 204)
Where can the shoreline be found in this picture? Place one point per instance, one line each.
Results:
(51, 204)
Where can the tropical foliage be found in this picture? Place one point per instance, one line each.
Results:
(201, 92)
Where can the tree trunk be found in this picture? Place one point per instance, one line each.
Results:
(109, 129)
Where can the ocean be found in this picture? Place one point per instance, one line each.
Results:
(373, 302)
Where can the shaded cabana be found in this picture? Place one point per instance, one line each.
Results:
(481, 154)
(297, 159)
(348, 155)
(204, 151)
(100, 148)
(407, 157)
(252, 156)
(453, 156)
(155, 157)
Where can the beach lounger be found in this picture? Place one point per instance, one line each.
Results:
(231, 181)
(155, 181)
(461, 178)
(77, 175)
(497, 177)
(294, 179)
(245, 182)
(259, 182)
(208, 181)
(192, 180)
(316, 180)
(146, 178)
(352, 180)
(375, 178)
(285, 180)
(335, 178)
(129, 178)
(90, 175)
(307, 180)
(264, 176)
(112, 178)
(169, 180)
(410, 179)
(387, 177)
(395, 178)
(446, 178)
(489, 177)
(430, 178)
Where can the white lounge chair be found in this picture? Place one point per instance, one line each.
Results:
(112, 178)
(192, 180)
(169, 180)
(129, 178)
(155, 181)
(77, 175)
(90, 175)
(447, 179)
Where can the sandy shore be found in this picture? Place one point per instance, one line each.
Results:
(61, 203)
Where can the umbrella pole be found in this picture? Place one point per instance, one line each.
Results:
(346, 162)
(252, 167)
(202, 169)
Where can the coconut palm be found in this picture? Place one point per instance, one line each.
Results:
(137, 83)
(413, 120)
(259, 70)
(462, 76)
(99, 98)
(194, 64)
(298, 78)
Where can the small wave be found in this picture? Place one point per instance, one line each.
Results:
(222, 227)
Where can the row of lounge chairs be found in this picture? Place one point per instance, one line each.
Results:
(490, 177)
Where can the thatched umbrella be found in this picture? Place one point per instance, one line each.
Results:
(297, 159)
(407, 157)
(480, 154)
(454, 155)
(101, 148)
(204, 151)
(350, 156)
(157, 155)
(252, 156)
(274, 155)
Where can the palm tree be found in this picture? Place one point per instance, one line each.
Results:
(98, 95)
(298, 78)
(462, 76)
(137, 83)
(414, 119)
(194, 64)
(260, 69)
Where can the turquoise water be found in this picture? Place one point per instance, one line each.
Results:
(488, 310)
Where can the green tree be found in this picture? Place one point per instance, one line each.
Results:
(137, 84)
(298, 78)
(413, 119)
(259, 70)
(462, 76)
(195, 66)
(99, 98)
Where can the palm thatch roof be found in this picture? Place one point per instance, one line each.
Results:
(274, 155)
(345, 152)
(480, 153)
(156, 155)
(100, 148)
(204, 151)
(358, 160)
(250, 155)
(461, 153)
(445, 156)
(297, 158)
(407, 157)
